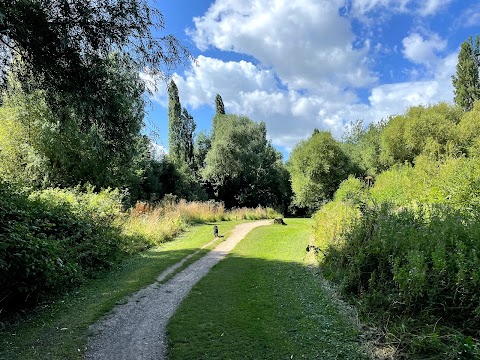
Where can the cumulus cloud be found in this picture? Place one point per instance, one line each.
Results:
(360, 8)
(420, 50)
(292, 115)
(306, 41)
(390, 99)
(309, 69)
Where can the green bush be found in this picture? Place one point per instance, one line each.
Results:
(412, 262)
(53, 239)
(453, 182)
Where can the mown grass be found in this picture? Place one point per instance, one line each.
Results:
(263, 302)
(59, 330)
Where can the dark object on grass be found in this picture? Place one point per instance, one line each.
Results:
(215, 231)
(314, 249)
(279, 221)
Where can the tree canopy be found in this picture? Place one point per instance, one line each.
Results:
(242, 166)
(317, 166)
(61, 41)
(466, 80)
(219, 107)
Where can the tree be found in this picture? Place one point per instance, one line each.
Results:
(174, 121)
(203, 144)
(77, 144)
(317, 166)
(181, 129)
(430, 130)
(62, 41)
(242, 165)
(466, 81)
(220, 108)
(187, 130)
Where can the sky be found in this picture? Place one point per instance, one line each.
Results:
(298, 65)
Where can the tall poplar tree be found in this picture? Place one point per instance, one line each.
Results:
(174, 122)
(181, 127)
(220, 108)
(466, 81)
(186, 138)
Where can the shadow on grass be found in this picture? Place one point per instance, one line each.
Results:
(58, 329)
(261, 308)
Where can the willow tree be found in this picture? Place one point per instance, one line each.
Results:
(61, 41)
(242, 166)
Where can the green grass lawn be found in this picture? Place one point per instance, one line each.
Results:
(262, 302)
(59, 330)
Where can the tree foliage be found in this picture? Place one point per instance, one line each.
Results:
(466, 81)
(317, 166)
(219, 107)
(202, 146)
(67, 147)
(187, 131)
(242, 166)
(428, 130)
(362, 144)
(63, 41)
(174, 121)
(181, 129)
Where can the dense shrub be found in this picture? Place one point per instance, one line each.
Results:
(337, 217)
(453, 181)
(53, 239)
(413, 259)
(416, 263)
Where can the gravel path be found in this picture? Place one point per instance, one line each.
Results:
(137, 329)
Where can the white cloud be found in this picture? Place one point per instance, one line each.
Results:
(393, 99)
(307, 44)
(431, 7)
(306, 41)
(360, 8)
(291, 115)
(470, 17)
(420, 50)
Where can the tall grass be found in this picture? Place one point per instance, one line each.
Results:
(149, 225)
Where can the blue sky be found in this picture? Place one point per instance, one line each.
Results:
(304, 64)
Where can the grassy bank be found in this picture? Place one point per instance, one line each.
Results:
(262, 302)
(59, 330)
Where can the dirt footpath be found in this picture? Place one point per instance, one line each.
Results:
(137, 329)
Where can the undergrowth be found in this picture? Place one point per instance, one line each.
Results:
(411, 268)
(54, 239)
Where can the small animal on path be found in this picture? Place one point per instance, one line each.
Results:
(279, 221)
